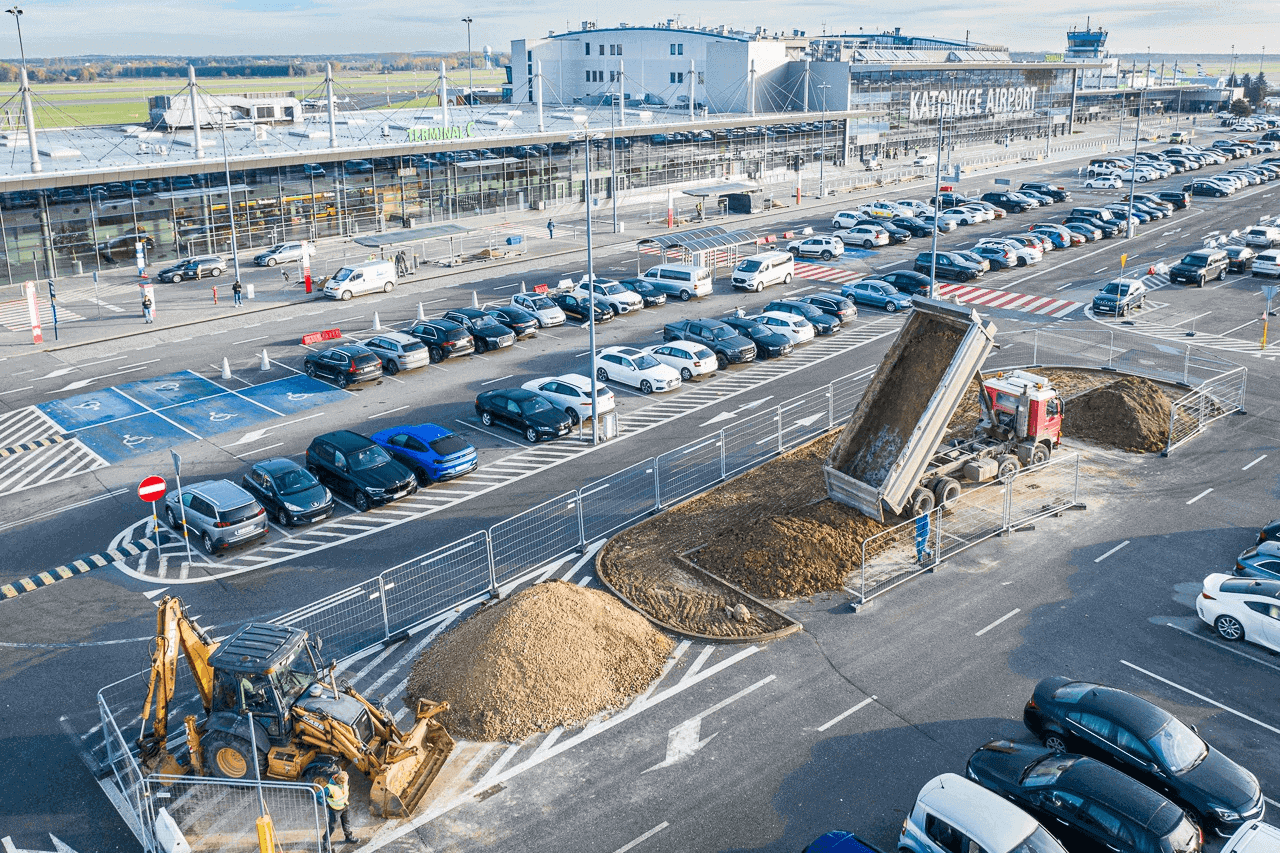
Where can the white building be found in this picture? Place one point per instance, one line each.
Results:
(668, 65)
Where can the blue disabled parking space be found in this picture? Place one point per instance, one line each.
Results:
(294, 394)
(85, 410)
(218, 414)
(124, 439)
(170, 390)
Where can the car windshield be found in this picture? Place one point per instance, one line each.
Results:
(542, 303)
(1195, 260)
(343, 274)
(1039, 841)
(1177, 747)
(613, 289)
(447, 445)
(294, 674)
(644, 362)
(369, 457)
(749, 266)
(1112, 289)
(485, 322)
(1047, 771)
(279, 247)
(534, 405)
(720, 333)
(758, 332)
(292, 482)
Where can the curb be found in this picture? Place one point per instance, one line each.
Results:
(76, 567)
(6, 452)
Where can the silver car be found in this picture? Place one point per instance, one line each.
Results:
(399, 351)
(282, 253)
(218, 512)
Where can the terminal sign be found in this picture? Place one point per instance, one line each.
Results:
(450, 131)
(928, 103)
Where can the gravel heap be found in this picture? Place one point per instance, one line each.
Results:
(1130, 414)
(554, 654)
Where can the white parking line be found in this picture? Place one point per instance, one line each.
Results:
(387, 412)
(1202, 698)
(1254, 462)
(499, 379)
(624, 848)
(1015, 611)
(829, 723)
(1112, 551)
(1224, 647)
(487, 432)
(1199, 496)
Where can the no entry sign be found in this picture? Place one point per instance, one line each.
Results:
(151, 489)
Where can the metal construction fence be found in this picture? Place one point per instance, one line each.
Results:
(1213, 399)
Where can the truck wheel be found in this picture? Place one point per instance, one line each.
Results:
(229, 757)
(1040, 454)
(921, 502)
(946, 492)
(1007, 466)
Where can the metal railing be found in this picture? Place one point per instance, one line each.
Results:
(220, 815)
(1214, 399)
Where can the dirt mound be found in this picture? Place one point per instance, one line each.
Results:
(553, 654)
(1130, 414)
(786, 556)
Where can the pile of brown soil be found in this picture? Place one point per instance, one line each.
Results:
(553, 654)
(1069, 384)
(1130, 414)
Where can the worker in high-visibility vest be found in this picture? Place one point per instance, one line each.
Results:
(337, 795)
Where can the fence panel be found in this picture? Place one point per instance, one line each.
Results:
(347, 621)
(525, 541)
(613, 502)
(127, 776)
(1212, 400)
(220, 815)
(688, 470)
(978, 514)
(420, 588)
(845, 394)
(749, 442)
(804, 417)
(896, 555)
(1044, 490)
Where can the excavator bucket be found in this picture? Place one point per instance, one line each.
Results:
(411, 765)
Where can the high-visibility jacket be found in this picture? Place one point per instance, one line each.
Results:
(336, 795)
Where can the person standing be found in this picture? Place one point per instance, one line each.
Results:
(146, 308)
(235, 291)
(285, 273)
(337, 794)
(551, 229)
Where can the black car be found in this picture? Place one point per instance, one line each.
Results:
(947, 266)
(823, 323)
(769, 344)
(1204, 188)
(1053, 192)
(912, 225)
(1089, 805)
(353, 465)
(897, 234)
(1240, 258)
(832, 303)
(345, 365)
(1149, 744)
(576, 307)
(487, 332)
(523, 411)
(1005, 201)
(909, 282)
(444, 339)
(289, 492)
(1108, 229)
(650, 295)
(1198, 266)
(515, 318)
(1260, 561)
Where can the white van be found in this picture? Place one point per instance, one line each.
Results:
(683, 280)
(925, 160)
(759, 271)
(358, 279)
(954, 815)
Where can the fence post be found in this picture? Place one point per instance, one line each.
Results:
(831, 405)
(1075, 488)
(493, 572)
(582, 529)
(1035, 348)
(1173, 420)
(382, 599)
(779, 420)
(1186, 366)
(862, 575)
(1111, 347)
(722, 459)
(657, 487)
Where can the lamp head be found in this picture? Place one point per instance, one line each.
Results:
(15, 11)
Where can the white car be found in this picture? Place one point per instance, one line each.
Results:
(1267, 263)
(883, 209)
(637, 368)
(914, 206)
(793, 327)
(540, 305)
(825, 248)
(611, 293)
(978, 210)
(691, 359)
(1242, 609)
(1103, 182)
(964, 216)
(865, 236)
(1022, 252)
(946, 222)
(571, 394)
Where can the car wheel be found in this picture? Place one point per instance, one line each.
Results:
(1229, 628)
(686, 295)
(574, 418)
(786, 279)
(966, 276)
(207, 542)
(362, 501)
(1022, 262)
(1222, 276)
(531, 435)
(388, 287)
(346, 296)
(481, 346)
(282, 517)
(646, 387)
(867, 244)
(423, 478)
(721, 361)
(215, 272)
(1219, 194)
(342, 380)
(795, 253)
(310, 370)
(759, 287)
(1055, 741)
(171, 518)
(391, 368)
(177, 278)
(435, 355)
(602, 374)
(271, 262)
(486, 418)
(826, 255)
(686, 374)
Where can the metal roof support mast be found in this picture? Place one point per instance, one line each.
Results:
(195, 111)
(329, 105)
(27, 112)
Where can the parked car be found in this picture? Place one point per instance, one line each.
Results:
(946, 265)
(897, 234)
(1120, 296)
(1085, 230)
(1240, 259)
(288, 492)
(1103, 182)
(487, 332)
(793, 327)
(636, 368)
(282, 253)
(1267, 263)
(1242, 608)
(193, 269)
(527, 412)
(577, 308)
(217, 512)
(973, 258)
(540, 306)
(866, 236)
(954, 815)
(1053, 191)
(434, 454)
(398, 351)
(1252, 837)
(522, 323)
(1149, 744)
(355, 466)
(823, 323)
(650, 295)
(910, 282)
(769, 343)
(1007, 201)
(824, 247)
(1090, 805)
(832, 303)
(997, 257)
(1270, 532)
(608, 292)
(1198, 266)
(1262, 236)
(913, 225)
(571, 393)
(878, 294)
(945, 223)
(1260, 561)
(443, 338)
(1208, 188)
(345, 365)
(689, 358)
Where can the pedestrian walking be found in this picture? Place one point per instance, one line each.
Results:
(285, 274)
(146, 309)
(235, 291)
(336, 793)
(551, 229)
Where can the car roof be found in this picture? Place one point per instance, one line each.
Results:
(223, 494)
(1144, 718)
(1121, 793)
(577, 380)
(277, 465)
(350, 349)
(398, 337)
(446, 325)
(474, 313)
(624, 350)
(1232, 585)
(1254, 837)
(995, 823)
(425, 432)
(345, 439)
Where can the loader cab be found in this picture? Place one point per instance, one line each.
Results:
(1028, 404)
(262, 670)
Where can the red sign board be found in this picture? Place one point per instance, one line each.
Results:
(152, 489)
(539, 288)
(326, 335)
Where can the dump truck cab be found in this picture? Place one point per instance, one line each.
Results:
(1026, 404)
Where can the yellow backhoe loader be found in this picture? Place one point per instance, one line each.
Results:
(268, 700)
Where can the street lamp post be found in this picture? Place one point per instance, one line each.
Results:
(17, 19)
(937, 205)
(581, 120)
(231, 208)
(822, 155)
(470, 64)
(1133, 169)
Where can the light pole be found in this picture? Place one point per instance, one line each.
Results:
(582, 121)
(470, 64)
(1133, 169)
(937, 205)
(822, 155)
(231, 208)
(17, 19)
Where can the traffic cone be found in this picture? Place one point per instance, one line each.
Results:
(1151, 270)
(522, 290)
(475, 299)
(421, 316)
(266, 362)
(226, 369)
(377, 325)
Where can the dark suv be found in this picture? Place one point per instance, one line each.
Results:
(353, 465)
(1055, 193)
(1199, 266)
(1005, 201)
(947, 266)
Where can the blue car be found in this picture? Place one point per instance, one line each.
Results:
(879, 294)
(431, 452)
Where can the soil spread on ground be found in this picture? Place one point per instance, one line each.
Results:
(1130, 414)
(554, 654)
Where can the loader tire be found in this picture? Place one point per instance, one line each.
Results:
(228, 756)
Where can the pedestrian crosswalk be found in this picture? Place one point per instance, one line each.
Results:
(834, 275)
(1044, 306)
(16, 317)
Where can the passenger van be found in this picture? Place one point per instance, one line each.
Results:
(358, 279)
(683, 280)
(759, 271)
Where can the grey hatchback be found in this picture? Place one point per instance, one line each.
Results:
(218, 512)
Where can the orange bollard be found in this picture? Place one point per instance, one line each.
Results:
(215, 294)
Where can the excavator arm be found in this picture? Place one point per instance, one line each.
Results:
(175, 632)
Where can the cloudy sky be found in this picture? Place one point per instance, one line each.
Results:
(202, 27)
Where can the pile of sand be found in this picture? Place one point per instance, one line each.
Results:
(1130, 414)
(553, 654)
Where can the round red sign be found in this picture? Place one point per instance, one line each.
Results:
(151, 489)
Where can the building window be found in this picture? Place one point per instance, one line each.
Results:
(673, 76)
(679, 76)
(613, 76)
(619, 50)
(602, 50)
(530, 57)
(673, 50)
(701, 80)
(679, 50)
(613, 50)
(588, 76)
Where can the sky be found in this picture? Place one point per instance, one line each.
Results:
(306, 27)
